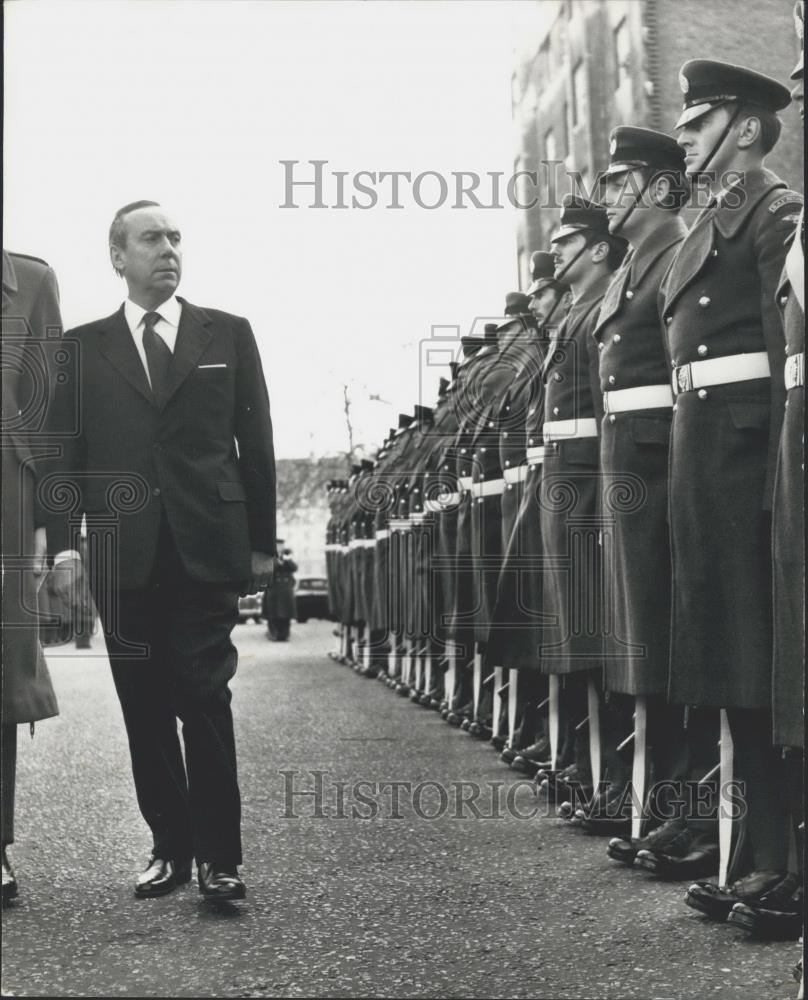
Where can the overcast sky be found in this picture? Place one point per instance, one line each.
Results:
(194, 104)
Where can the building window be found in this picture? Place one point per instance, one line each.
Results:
(621, 53)
(579, 94)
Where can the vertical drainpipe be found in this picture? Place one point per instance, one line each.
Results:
(650, 30)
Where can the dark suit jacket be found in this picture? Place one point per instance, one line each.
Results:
(205, 457)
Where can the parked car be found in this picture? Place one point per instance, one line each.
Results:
(311, 597)
(250, 607)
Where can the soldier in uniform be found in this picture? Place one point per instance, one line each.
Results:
(779, 913)
(586, 256)
(725, 341)
(515, 637)
(30, 319)
(643, 190)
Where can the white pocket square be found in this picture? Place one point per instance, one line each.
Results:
(211, 366)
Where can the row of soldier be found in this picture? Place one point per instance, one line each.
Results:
(590, 550)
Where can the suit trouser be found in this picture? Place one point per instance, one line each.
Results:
(171, 657)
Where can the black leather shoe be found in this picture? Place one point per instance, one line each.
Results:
(218, 882)
(531, 759)
(716, 902)
(498, 741)
(660, 838)
(777, 915)
(161, 876)
(10, 887)
(701, 861)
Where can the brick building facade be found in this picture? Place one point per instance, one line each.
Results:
(601, 63)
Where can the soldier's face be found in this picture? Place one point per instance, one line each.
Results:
(570, 258)
(798, 96)
(151, 260)
(542, 303)
(618, 195)
(699, 138)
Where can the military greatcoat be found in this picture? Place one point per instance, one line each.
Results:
(788, 516)
(568, 498)
(634, 470)
(718, 300)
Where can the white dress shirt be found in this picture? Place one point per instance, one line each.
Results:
(167, 326)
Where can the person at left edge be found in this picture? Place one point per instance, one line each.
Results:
(31, 318)
(175, 424)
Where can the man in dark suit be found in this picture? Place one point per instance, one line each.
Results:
(173, 468)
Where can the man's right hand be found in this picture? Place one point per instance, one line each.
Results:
(67, 586)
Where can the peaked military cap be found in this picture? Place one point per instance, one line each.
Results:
(631, 147)
(516, 303)
(799, 27)
(443, 385)
(707, 84)
(423, 414)
(454, 367)
(367, 465)
(580, 215)
(355, 470)
(404, 420)
(471, 345)
(490, 332)
(542, 267)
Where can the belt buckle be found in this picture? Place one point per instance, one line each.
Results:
(684, 379)
(605, 402)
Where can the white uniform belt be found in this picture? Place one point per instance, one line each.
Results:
(331, 547)
(536, 454)
(641, 397)
(355, 543)
(416, 517)
(465, 483)
(795, 370)
(382, 533)
(568, 430)
(399, 524)
(490, 488)
(368, 543)
(517, 475)
(721, 371)
(343, 549)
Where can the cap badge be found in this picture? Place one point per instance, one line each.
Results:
(684, 83)
(612, 147)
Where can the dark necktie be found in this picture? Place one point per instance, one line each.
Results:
(158, 356)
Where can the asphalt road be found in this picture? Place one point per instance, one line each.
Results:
(455, 906)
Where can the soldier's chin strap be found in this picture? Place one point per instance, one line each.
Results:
(556, 304)
(634, 204)
(702, 168)
(568, 265)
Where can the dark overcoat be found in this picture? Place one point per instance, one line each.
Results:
(789, 520)
(279, 597)
(718, 299)
(515, 633)
(568, 499)
(634, 471)
(30, 330)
